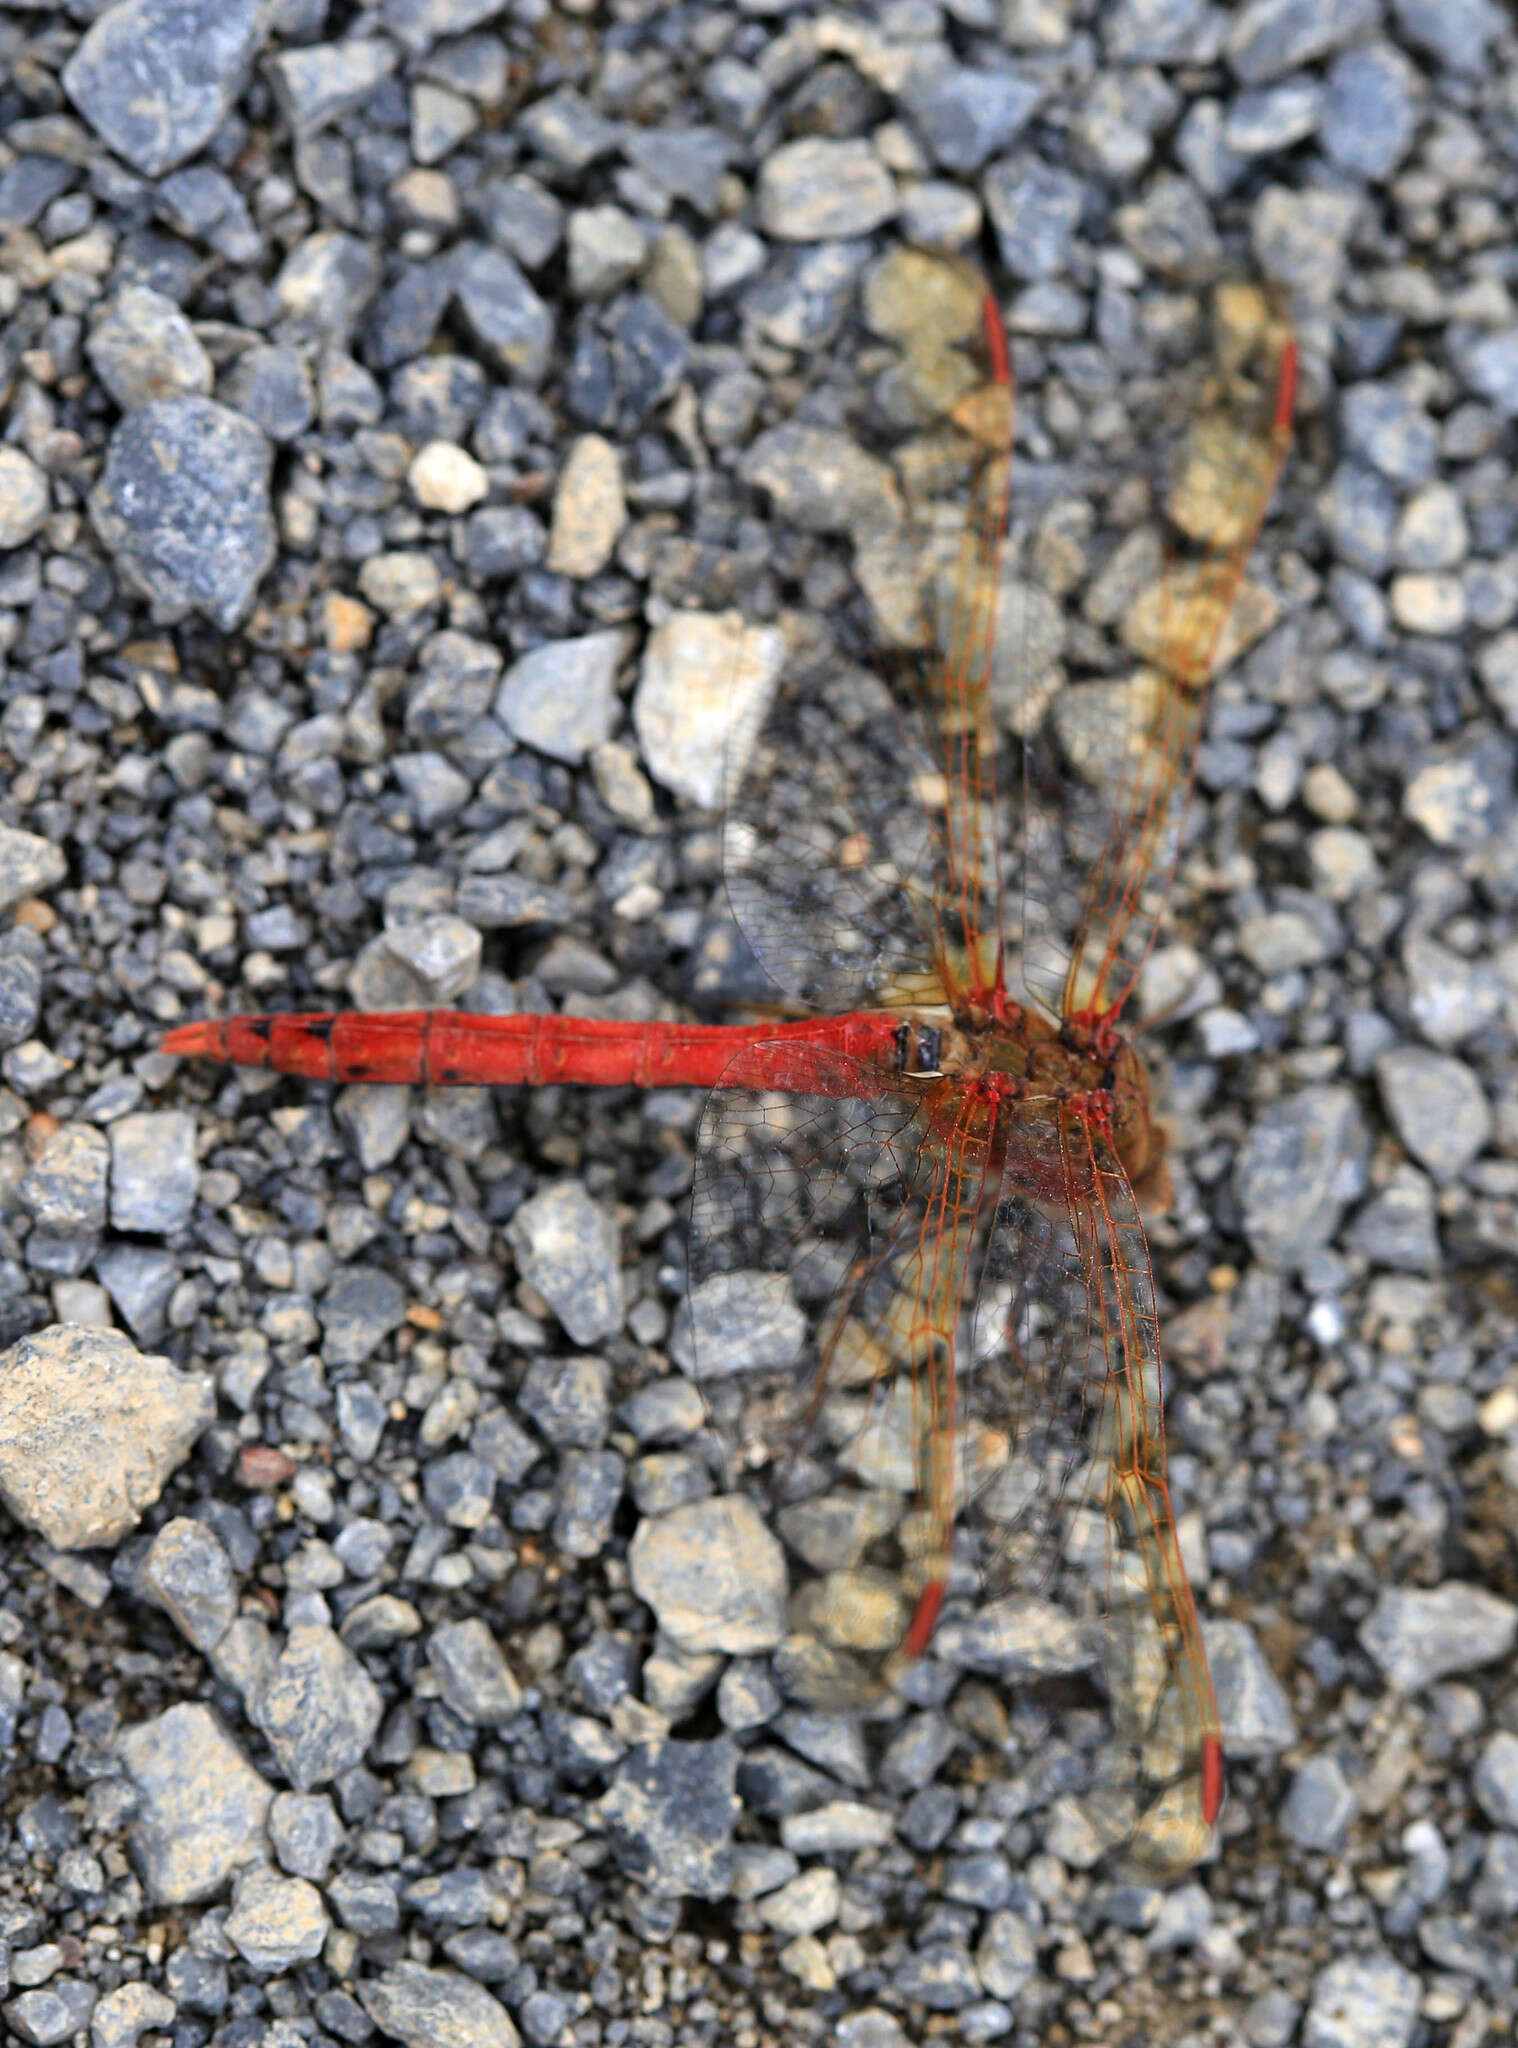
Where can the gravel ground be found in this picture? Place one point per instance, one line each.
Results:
(397, 403)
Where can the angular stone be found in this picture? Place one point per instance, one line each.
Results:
(817, 190)
(201, 1809)
(183, 505)
(155, 79)
(714, 1576)
(90, 1429)
(703, 693)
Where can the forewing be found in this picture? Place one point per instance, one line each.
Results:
(1134, 743)
(1067, 1354)
(831, 847)
(831, 1238)
(862, 841)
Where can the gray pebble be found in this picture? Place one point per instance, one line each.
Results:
(501, 540)
(1362, 2001)
(1035, 211)
(440, 121)
(706, 683)
(524, 219)
(562, 697)
(666, 1480)
(1170, 231)
(54, 2012)
(670, 1813)
(360, 1419)
(1255, 1713)
(1020, 1640)
(320, 83)
(327, 282)
(305, 1833)
(201, 1805)
(504, 1445)
(1450, 998)
(936, 214)
(739, 1322)
(1359, 511)
(202, 203)
(503, 902)
(1497, 666)
(663, 1411)
(567, 1247)
(154, 1174)
(317, 1705)
(1456, 32)
(64, 1188)
(273, 388)
(143, 348)
(940, 1976)
(503, 312)
(588, 1494)
(424, 2008)
(1319, 1807)
(476, 1679)
(1495, 1779)
(817, 190)
(607, 249)
(689, 163)
(1300, 240)
(1007, 1955)
(29, 865)
(1461, 798)
(1273, 118)
(188, 1573)
(567, 130)
(568, 1399)
(140, 1281)
(1304, 1159)
(1271, 37)
(1417, 1636)
(1490, 367)
(966, 114)
(1437, 1106)
(459, 1490)
(915, 1755)
(157, 109)
(1370, 110)
(368, 1905)
(183, 505)
(358, 1312)
(1390, 432)
(1400, 1228)
(819, 479)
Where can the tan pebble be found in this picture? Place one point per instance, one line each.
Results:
(589, 510)
(346, 624)
(446, 478)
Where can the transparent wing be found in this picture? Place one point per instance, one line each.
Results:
(1133, 743)
(1067, 1353)
(831, 1240)
(862, 843)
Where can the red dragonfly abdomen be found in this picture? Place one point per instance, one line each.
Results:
(451, 1048)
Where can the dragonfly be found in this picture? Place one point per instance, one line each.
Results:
(921, 1302)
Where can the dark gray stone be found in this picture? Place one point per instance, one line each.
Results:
(183, 505)
(670, 1814)
(155, 79)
